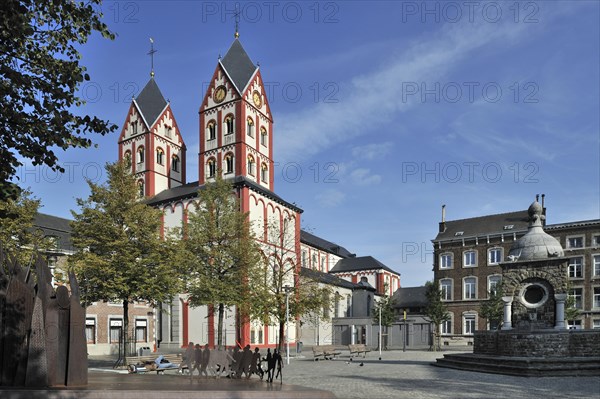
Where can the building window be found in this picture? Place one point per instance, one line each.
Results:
(470, 259)
(160, 156)
(90, 330)
(469, 324)
(596, 324)
(575, 242)
(141, 330)
(251, 165)
(116, 329)
(596, 241)
(446, 261)
(256, 335)
(228, 163)
(263, 136)
(175, 163)
(349, 306)
(493, 282)
(314, 261)
(140, 154)
(574, 324)
(322, 268)
(303, 258)
(596, 302)
(141, 190)
(446, 327)
(596, 265)
(127, 158)
(229, 124)
(576, 267)
(264, 173)
(577, 297)
(494, 256)
(446, 288)
(212, 130)
(470, 288)
(134, 128)
(250, 127)
(168, 131)
(212, 167)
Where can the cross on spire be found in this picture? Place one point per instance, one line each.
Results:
(151, 54)
(237, 20)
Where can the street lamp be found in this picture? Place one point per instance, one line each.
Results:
(287, 290)
(380, 331)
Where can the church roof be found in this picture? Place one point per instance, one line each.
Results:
(485, 225)
(190, 190)
(238, 65)
(151, 102)
(360, 263)
(327, 278)
(320, 243)
(410, 297)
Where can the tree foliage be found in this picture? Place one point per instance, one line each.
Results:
(40, 73)
(386, 304)
(492, 309)
(219, 251)
(436, 310)
(121, 256)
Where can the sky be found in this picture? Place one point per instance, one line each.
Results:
(384, 110)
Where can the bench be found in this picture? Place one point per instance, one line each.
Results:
(326, 351)
(149, 360)
(358, 349)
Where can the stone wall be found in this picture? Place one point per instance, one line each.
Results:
(569, 343)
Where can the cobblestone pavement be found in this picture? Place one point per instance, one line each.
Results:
(411, 375)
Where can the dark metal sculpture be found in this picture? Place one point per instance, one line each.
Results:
(42, 330)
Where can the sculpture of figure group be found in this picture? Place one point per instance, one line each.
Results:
(231, 363)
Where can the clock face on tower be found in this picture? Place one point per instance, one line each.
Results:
(220, 93)
(257, 99)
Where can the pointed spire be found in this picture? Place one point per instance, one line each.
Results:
(151, 54)
(237, 21)
(238, 65)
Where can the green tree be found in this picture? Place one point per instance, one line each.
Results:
(493, 308)
(571, 312)
(386, 306)
(279, 275)
(18, 237)
(220, 251)
(121, 256)
(40, 73)
(436, 310)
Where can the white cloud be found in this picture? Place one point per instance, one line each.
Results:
(364, 177)
(373, 150)
(330, 198)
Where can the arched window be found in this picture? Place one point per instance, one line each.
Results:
(251, 164)
(229, 163)
(212, 130)
(134, 128)
(212, 167)
(250, 125)
(229, 124)
(175, 163)
(127, 158)
(140, 154)
(264, 172)
(470, 288)
(160, 156)
(141, 191)
(263, 136)
(168, 130)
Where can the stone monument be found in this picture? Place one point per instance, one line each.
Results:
(533, 339)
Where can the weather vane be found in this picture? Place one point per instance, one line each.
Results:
(237, 21)
(151, 54)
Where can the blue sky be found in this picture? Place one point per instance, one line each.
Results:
(383, 111)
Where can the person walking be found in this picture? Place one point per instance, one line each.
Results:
(270, 365)
(188, 358)
(279, 364)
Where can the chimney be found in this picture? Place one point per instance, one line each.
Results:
(543, 209)
(443, 223)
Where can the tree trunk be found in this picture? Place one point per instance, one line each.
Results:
(125, 329)
(281, 336)
(220, 325)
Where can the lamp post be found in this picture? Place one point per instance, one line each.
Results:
(380, 331)
(287, 289)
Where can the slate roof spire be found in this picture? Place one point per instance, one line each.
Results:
(238, 65)
(150, 102)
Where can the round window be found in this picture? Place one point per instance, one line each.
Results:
(533, 295)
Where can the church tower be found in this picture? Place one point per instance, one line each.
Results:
(151, 142)
(236, 125)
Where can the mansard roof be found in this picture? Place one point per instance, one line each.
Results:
(327, 278)
(410, 297)
(485, 225)
(320, 243)
(352, 264)
(151, 102)
(238, 65)
(190, 190)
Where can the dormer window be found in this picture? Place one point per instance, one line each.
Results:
(509, 227)
(250, 127)
(212, 130)
(459, 233)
